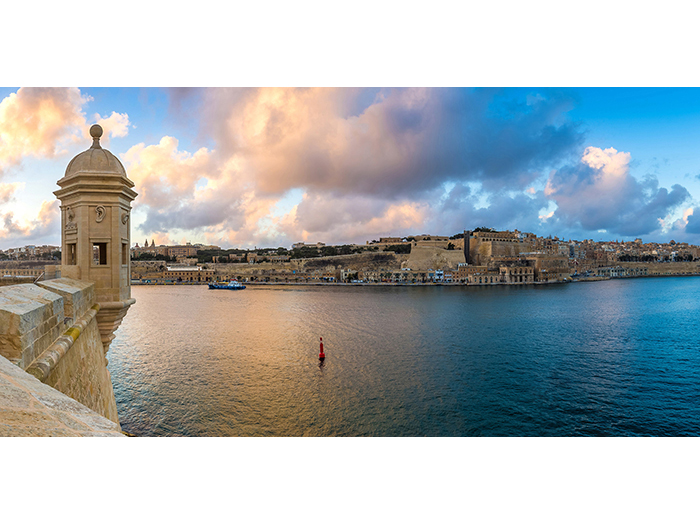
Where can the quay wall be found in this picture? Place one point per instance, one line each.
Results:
(50, 331)
(663, 268)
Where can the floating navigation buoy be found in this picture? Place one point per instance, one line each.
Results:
(321, 355)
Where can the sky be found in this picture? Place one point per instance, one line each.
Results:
(253, 167)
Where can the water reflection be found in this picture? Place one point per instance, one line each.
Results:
(595, 359)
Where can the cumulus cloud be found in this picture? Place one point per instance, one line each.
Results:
(377, 162)
(40, 122)
(45, 228)
(692, 223)
(369, 161)
(681, 223)
(464, 208)
(116, 125)
(400, 143)
(8, 189)
(164, 175)
(326, 218)
(184, 191)
(599, 193)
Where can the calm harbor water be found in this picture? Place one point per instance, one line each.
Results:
(610, 358)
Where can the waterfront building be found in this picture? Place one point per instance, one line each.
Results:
(484, 276)
(464, 270)
(517, 274)
(188, 274)
(619, 271)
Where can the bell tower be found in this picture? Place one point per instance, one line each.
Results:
(96, 200)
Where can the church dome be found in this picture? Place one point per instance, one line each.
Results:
(96, 159)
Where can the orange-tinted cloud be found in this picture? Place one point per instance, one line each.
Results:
(164, 175)
(116, 125)
(8, 189)
(390, 142)
(40, 122)
(45, 226)
(369, 161)
(324, 218)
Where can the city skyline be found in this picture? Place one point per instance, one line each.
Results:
(271, 167)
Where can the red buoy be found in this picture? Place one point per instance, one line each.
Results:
(321, 355)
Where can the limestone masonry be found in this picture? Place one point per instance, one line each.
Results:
(55, 333)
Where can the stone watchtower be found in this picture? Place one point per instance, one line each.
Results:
(96, 200)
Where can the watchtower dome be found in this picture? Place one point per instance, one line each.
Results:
(96, 200)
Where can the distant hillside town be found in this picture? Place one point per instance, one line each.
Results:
(476, 257)
(31, 253)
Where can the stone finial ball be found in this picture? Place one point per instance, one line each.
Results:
(96, 131)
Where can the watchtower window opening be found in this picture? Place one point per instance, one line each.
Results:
(125, 253)
(70, 255)
(99, 253)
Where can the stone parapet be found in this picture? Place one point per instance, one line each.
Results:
(31, 319)
(11, 280)
(43, 365)
(56, 337)
(78, 296)
(30, 408)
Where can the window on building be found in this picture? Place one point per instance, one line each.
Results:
(99, 253)
(71, 257)
(125, 253)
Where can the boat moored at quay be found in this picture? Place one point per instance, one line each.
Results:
(231, 285)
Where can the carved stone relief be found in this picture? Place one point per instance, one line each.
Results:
(70, 215)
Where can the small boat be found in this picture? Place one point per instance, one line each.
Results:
(231, 285)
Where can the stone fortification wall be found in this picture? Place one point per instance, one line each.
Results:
(31, 319)
(665, 268)
(428, 257)
(357, 262)
(50, 330)
(433, 243)
(30, 408)
(481, 252)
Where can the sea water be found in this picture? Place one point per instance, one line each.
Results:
(608, 358)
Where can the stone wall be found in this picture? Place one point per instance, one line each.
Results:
(30, 408)
(481, 252)
(16, 279)
(428, 257)
(50, 330)
(31, 319)
(665, 268)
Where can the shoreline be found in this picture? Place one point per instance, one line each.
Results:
(286, 283)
